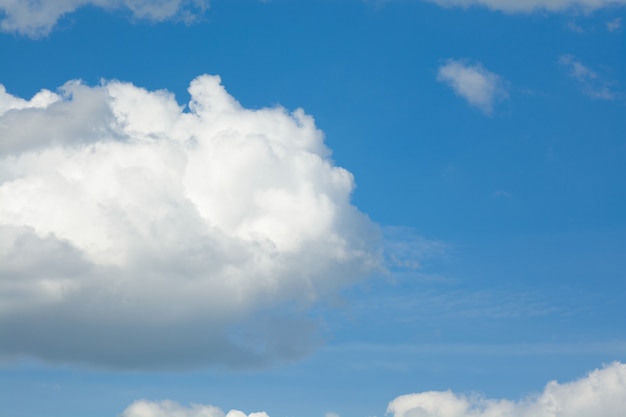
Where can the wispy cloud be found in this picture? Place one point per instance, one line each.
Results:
(526, 6)
(614, 24)
(591, 83)
(453, 304)
(478, 86)
(502, 194)
(37, 18)
(404, 350)
(405, 249)
(575, 27)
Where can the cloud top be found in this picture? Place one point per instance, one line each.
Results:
(168, 408)
(600, 393)
(133, 231)
(37, 18)
(478, 86)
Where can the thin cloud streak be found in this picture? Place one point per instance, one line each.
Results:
(616, 348)
(590, 81)
(528, 6)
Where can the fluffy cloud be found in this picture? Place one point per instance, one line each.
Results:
(526, 6)
(480, 87)
(173, 409)
(601, 393)
(137, 233)
(37, 18)
(591, 83)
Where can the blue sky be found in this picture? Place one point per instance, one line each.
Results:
(446, 212)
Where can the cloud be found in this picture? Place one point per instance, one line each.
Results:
(480, 87)
(173, 409)
(37, 18)
(591, 83)
(405, 249)
(614, 24)
(600, 393)
(135, 233)
(527, 6)
(575, 27)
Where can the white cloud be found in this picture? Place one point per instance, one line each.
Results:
(480, 87)
(591, 83)
(527, 6)
(405, 248)
(41, 100)
(575, 27)
(37, 18)
(136, 234)
(577, 69)
(614, 24)
(601, 393)
(173, 409)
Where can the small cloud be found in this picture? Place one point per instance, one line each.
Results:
(575, 27)
(590, 81)
(448, 171)
(330, 414)
(405, 249)
(502, 194)
(614, 24)
(36, 19)
(577, 69)
(478, 86)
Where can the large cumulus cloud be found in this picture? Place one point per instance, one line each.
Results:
(135, 232)
(600, 393)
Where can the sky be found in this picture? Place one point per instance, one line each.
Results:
(313, 208)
